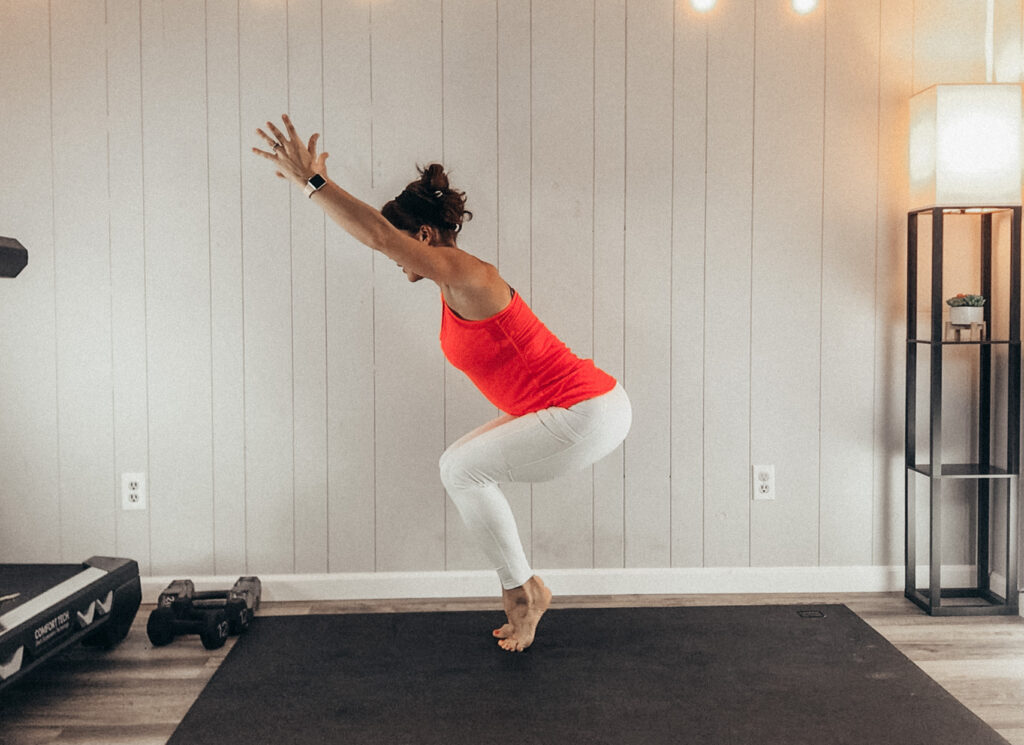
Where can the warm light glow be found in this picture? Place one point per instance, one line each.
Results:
(965, 145)
(804, 6)
(703, 5)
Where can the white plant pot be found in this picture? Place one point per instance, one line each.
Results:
(965, 315)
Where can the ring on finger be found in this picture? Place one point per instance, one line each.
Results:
(277, 145)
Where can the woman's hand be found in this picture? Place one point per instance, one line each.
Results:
(294, 160)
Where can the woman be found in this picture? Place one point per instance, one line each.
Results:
(561, 413)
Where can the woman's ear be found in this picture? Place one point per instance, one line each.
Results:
(425, 234)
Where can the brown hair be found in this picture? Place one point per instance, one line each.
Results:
(429, 201)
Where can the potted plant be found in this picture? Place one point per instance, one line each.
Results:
(966, 309)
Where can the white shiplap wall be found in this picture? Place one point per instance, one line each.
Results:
(712, 206)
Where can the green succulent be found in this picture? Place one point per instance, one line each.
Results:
(974, 301)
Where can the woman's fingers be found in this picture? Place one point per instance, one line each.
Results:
(291, 129)
(293, 137)
(277, 133)
(268, 156)
(270, 140)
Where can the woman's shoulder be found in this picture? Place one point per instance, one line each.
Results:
(475, 275)
(477, 291)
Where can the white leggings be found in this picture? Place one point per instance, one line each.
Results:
(536, 447)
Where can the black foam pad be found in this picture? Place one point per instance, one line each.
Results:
(13, 257)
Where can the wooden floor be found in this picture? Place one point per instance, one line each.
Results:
(136, 694)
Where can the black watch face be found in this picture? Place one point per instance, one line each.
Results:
(316, 181)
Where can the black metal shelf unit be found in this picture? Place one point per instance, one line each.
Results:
(980, 598)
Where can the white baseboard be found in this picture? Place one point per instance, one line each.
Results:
(465, 584)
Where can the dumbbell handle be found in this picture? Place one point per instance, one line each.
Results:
(211, 595)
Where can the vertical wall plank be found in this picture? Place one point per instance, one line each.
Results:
(609, 257)
(177, 286)
(688, 300)
(940, 59)
(937, 58)
(407, 116)
(350, 292)
(727, 286)
(514, 168)
(128, 270)
(648, 278)
(786, 282)
(82, 252)
(267, 290)
(848, 282)
(563, 164)
(514, 142)
(896, 66)
(1007, 41)
(961, 264)
(1001, 235)
(228, 145)
(562, 242)
(29, 480)
(309, 302)
(471, 158)
(940, 56)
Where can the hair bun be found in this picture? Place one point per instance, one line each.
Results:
(429, 200)
(434, 179)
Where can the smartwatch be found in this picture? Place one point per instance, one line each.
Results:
(316, 183)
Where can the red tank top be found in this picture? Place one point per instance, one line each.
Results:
(517, 363)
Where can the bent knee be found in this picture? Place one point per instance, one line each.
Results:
(459, 470)
(453, 472)
(446, 466)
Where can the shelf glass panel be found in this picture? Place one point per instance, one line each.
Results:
(961, 343)
(963, 471)
(986, 210)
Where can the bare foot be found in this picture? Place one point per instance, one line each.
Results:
(523, 606)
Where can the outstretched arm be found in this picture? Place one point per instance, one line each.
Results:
(298, 161)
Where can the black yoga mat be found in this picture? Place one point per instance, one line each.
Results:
(730, 675)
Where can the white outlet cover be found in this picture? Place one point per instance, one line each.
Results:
(133, 491)
(763, 482)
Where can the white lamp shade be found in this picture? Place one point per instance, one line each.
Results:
(965, 146)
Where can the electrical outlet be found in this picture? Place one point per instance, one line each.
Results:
(133, 491)
(764, 482)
